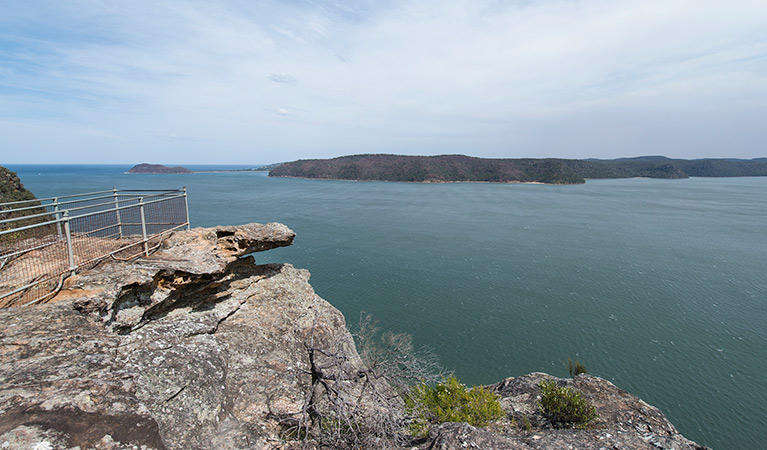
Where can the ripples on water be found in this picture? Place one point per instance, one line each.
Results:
(657, 285)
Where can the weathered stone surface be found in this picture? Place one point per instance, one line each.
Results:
(449, 436)
(196, 347)
(191, 348)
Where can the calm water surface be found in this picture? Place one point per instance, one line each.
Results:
(656, 285)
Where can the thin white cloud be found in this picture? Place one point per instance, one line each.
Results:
(536, 78)
(283, 78)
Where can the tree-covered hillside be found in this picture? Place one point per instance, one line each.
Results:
(724, 167)
(11, 189)
(454, 168)
(443, 168)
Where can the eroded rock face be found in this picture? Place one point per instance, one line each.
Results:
(194, 347)
(197, 347)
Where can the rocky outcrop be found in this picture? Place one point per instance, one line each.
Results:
(198, 347)
(625, 421)
(195, 347)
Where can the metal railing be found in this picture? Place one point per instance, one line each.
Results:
(43, 241)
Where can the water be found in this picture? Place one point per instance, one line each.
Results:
(656, 285)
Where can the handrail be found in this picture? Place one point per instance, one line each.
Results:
(121, 197)
(51, 222)
(70, 235)
(89, 194)
(55, 200)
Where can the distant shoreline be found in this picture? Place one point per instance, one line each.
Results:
(192, 172)
(228, 170)
(415, 182)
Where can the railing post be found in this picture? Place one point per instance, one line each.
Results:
(143, 225)
(57, 215)
(117, 212)
(186, 206)
(70, 249)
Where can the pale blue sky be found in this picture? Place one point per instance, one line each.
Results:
(241, 81)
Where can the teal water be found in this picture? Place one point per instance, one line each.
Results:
(656, 285)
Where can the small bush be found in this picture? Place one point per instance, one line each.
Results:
(575, 368)
(450, 401)
(565, 407)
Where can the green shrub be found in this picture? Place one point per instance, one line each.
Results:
(565, 407)
(528, 427)
(575, 369)
(450, 401)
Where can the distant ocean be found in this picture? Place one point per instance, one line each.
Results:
(657, 285)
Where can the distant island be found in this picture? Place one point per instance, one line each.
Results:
(157, 168)
(461, 168)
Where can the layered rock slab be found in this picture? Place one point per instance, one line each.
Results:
(194, 347)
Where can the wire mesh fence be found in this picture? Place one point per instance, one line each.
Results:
(45, 240)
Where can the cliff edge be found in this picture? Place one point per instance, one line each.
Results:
(199, 347)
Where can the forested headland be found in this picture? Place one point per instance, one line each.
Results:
(461, 168)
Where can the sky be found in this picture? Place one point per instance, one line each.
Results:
(258, 82)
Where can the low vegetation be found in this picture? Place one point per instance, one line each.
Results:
(575, 368)
(392, 402)
(564, 407)
(350, 407)
(450, 401)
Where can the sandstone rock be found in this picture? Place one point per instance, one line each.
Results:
(197, 347)
(194, 347)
